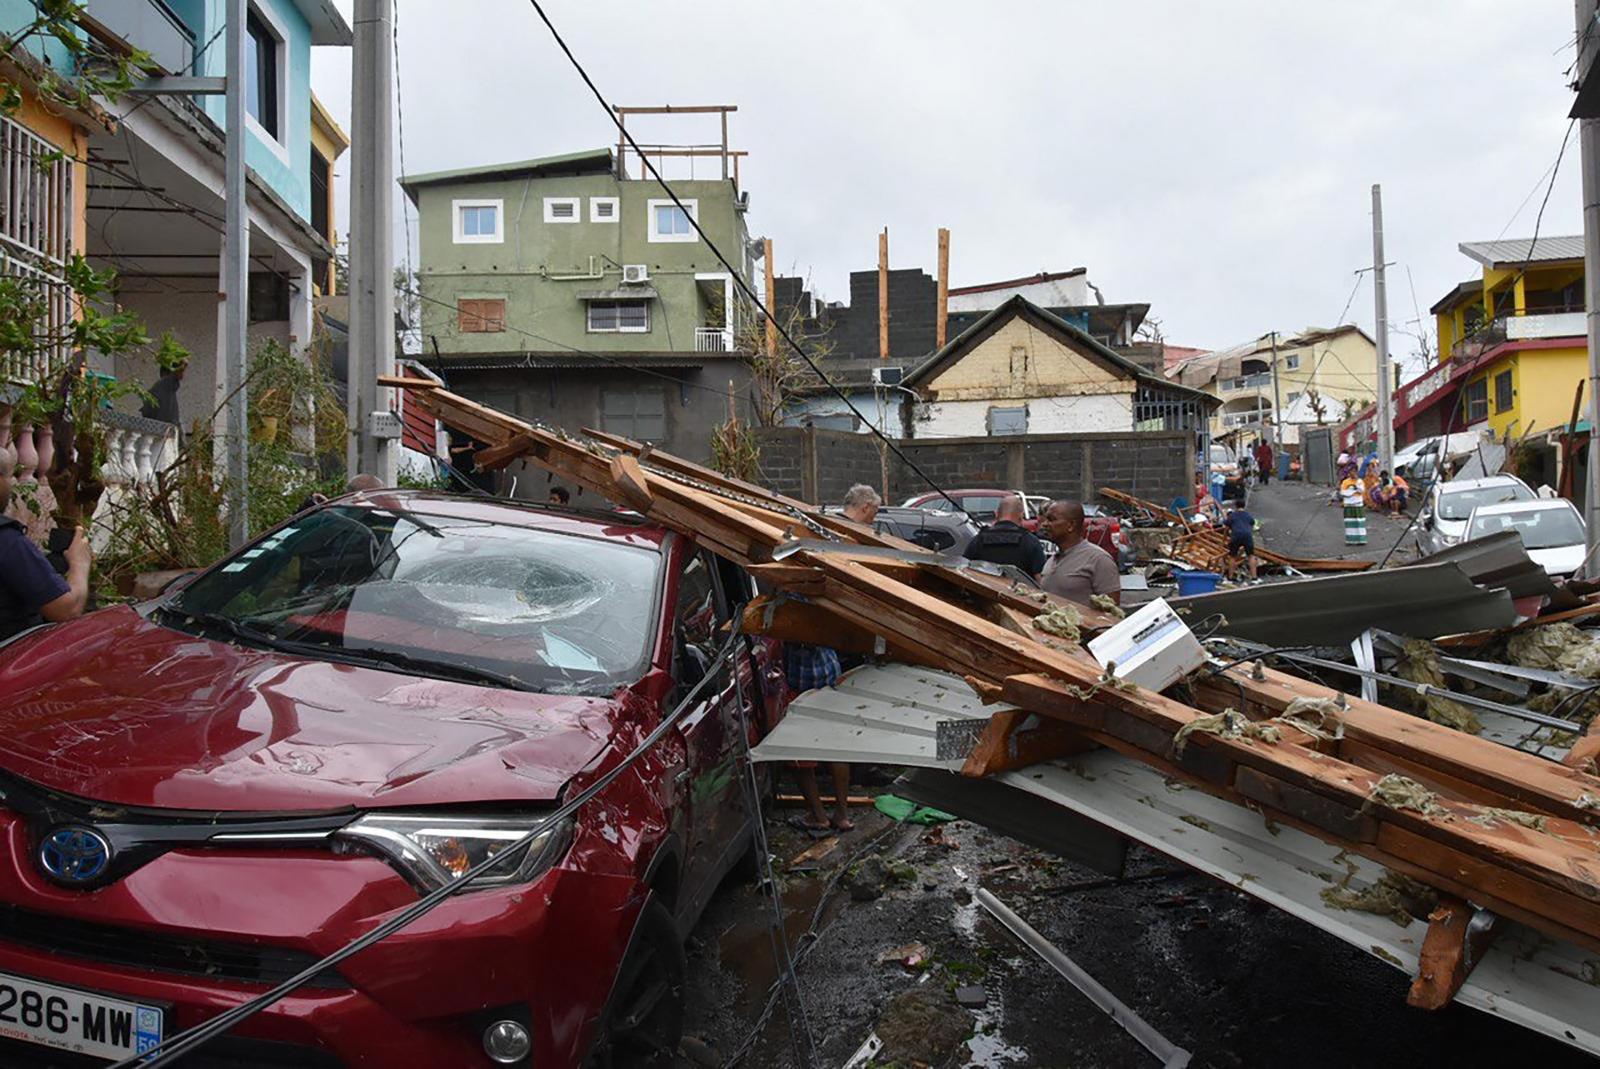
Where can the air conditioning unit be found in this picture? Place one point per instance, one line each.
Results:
(636, 273)
(888, 376)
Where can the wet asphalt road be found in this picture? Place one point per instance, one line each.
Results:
(1297, 520)
(1232, 980)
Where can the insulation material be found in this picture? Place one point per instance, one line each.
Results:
(1104, 603)
(1061, 621)
(1228, 724)
(1563, 646)
(1400, 792)
(1321, 718)
(1396, 896)
(1419, 662)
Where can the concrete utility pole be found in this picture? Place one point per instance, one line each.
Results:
(373, 425)
(235, 271)
(1380, 324)
(1277, 403)
(1589, 146)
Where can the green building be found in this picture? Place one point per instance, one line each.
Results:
(557, 290)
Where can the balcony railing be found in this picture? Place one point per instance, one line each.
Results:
(150, 25)
(1247, 382)
(713, 340)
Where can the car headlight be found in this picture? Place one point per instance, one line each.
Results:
(1448, 539)
(434, 851)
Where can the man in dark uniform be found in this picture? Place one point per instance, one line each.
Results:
(1006, 542)
(30, 590)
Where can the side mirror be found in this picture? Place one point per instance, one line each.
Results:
(1426, 519)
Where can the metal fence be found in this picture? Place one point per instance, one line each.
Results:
(36, 242)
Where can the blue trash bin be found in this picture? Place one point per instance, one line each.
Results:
(1196, 582)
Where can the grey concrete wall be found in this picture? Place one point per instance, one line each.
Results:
(819, 466)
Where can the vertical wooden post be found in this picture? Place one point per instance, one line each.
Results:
(724, 145)
(772, 302)
(622, 146)
(883, 294)
(944, 288)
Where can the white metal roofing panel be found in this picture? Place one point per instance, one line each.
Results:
(888, 713)
(1517, 250)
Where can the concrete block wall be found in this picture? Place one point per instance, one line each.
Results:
(819, 466)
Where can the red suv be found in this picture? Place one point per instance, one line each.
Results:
(202, 795)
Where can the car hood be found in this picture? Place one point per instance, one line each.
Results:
(117, 709)
(1559, 560)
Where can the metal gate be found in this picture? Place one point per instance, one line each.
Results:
(1316, 454)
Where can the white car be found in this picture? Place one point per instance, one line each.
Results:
(1443, 521)
(1551, 529)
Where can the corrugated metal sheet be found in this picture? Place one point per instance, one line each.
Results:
(1423, 601)
(1516, 250)
(1524, 977)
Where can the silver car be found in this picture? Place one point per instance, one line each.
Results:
(1443, 520)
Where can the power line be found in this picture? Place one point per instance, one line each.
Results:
(738, 278)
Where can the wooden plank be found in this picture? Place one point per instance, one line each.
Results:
(406, 382)
(798, 621)
(1016, 739)
(791, 578)
(631, 483)
(1450, 950)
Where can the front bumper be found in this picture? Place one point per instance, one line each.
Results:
(417, 998)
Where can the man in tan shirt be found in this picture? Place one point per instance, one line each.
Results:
(1080, 569)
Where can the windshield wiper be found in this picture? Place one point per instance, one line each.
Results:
(242, 632)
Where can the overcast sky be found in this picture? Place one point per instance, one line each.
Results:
(1213, 159)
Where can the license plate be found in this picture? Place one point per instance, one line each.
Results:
(79, 1021)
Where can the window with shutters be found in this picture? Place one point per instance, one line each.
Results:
(561, 210)
(604, 209)
(1475, 402)
(637, 412)
(619, 317)
(486, 315)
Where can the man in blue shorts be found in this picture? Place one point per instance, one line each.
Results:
(1241, 537)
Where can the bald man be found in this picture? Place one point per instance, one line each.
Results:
(31, 592)
(1080, 569)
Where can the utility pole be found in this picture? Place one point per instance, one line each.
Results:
(883, 294)
(1589, 146)
(1380, 325)
(235, 271)
(1277, 403)
(373, 425)
(941, 325)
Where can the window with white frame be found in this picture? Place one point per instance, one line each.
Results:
(36, 246)
(668, 222)
(479, 221)
(604, 209)
(637, 412)
(1292, 361)
(265, 77)
(619, 317)
(562, 210)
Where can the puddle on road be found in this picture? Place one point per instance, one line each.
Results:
(746, 947)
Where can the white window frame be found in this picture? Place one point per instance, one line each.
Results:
(590, 328)
(499, 235)
(575, 203)
(1292, 362)
(278, 148)
(616, 209)
(691, 206)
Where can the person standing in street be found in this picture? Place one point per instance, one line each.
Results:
(1353, 495)
(1264, 460)
(1241, 539)
(1005, 541)
(1080, 569)
(31, 592)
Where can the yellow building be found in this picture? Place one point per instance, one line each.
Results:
(1322, 375)
(1514, 339)
(328, 143)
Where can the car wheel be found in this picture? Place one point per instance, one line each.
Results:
(748, 868)
(643, 1021)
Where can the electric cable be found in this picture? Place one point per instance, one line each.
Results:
(733, 272)
(191, 1038)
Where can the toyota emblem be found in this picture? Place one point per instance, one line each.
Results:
(74, 855)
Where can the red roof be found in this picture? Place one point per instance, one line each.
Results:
(1177, 354)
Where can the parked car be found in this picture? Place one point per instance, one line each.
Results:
(1442, 522)
(208, 792)
(1552, 531)
(1104, 531)
(939, 531)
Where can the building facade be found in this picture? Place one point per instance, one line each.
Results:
(1323, 375)
(564, 292)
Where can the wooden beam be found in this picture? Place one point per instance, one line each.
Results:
(941, 323)
(1014, 738)
(883, 294)
(495, 457)
(674, 109)
(630, 480)
(1457, 937)
(798, 621)
(772, 301)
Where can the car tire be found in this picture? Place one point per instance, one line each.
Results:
(643, 1020)
(748, 868)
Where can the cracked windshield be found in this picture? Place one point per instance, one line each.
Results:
(488, 602)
